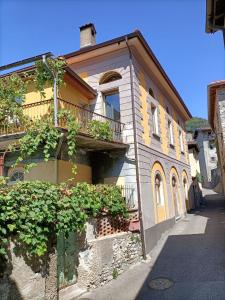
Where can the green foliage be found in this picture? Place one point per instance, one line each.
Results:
(115, 273)
(37, 211)
(12, 93)
(100, 130)
(44, 75)
(43, 135)
(195, 123)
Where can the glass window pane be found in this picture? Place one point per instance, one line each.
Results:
(112, 105)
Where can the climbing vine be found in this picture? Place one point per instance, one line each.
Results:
(43, 136)
(44, 75)
(12, 94)
(36, 211)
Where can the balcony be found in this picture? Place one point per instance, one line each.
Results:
(41, 109)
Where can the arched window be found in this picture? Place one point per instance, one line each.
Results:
(174, 181)
(109, 77)
(185, 188)
(159, 190)
(16, 176)
(151, 93)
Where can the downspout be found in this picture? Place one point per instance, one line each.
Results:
(136, 152)
(55, 76)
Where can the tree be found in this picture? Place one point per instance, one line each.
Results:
(196, 122)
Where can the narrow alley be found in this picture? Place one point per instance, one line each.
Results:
(188, 263)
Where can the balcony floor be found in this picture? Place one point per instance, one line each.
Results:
(84, 141)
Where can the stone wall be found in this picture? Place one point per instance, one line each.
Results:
(22, 278)
(107, 257)
(99, 261)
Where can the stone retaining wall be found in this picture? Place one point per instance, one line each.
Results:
(107, 257)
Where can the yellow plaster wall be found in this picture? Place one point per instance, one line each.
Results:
(84, 172)
(44, 171)
(34, 96)
(69, 93)
(84, 76)
(161, 212)
(144, 109)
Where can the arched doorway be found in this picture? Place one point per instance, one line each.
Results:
(159, 193)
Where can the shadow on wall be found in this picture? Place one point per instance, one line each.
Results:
(8, 287)
(193, 263)
(23, 276)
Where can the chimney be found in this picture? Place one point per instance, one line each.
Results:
(87, 35)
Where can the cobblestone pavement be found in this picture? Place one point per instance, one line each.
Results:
(188, 262)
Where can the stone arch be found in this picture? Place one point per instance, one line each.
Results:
(110, 77)
(161, 212)
(176, 192)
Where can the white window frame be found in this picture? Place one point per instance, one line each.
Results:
(181, 141)
(155, 121)
(170, 129)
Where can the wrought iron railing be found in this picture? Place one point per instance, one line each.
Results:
(41, 109)
(128, 195)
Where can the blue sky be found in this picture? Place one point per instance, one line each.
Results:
(174, 29)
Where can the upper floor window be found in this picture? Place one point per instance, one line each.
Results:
(159, 193)
(151, 93)
(112, 105)
(109, 77)
(181, 141)
(155, 124)
(170, 129)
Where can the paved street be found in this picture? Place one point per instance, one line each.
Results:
(191, 257)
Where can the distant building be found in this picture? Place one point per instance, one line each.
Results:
(216, 116)
(205, 139)
(195, 192)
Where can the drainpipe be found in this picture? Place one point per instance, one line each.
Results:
(55, 76)
(136, 152)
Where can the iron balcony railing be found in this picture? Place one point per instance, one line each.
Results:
(39, 110)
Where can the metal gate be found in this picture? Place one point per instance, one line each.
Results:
(67, 260)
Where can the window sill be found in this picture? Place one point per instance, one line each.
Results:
(156, 136)
(172, 146)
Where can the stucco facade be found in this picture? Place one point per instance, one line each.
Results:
(216, 115)
(148, 152)
(154, 152)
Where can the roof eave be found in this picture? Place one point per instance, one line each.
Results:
(135, 34)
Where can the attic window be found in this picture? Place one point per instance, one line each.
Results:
(110, 77)
(151, 93)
